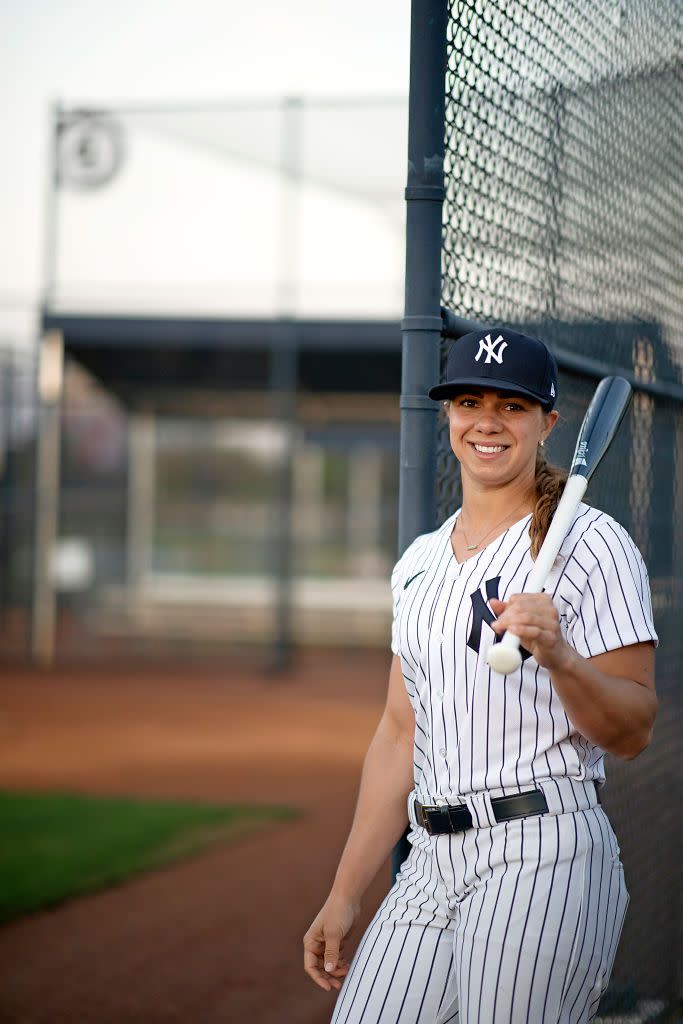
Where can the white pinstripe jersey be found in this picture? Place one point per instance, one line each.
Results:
(475, 729)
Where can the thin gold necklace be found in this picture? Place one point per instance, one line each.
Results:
(473, 547)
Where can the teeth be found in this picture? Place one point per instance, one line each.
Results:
(488, 448)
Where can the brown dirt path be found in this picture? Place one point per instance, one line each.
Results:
(216, 938)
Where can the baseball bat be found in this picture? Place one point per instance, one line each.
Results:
(600, 424)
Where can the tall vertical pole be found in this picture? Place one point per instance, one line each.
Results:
(421, 325)
(49, 284)
(50, 378)
(284, 371)
(283, 382)
(48, 428)
(290, 229)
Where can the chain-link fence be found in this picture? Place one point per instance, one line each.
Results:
(564, 189)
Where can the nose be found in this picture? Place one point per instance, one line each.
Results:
(489, 421)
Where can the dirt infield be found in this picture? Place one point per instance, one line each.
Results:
(216, 938)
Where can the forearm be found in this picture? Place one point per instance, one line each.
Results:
(380, 816)
(610, 698)
(615, 712)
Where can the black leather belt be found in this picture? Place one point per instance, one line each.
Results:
(438, 819)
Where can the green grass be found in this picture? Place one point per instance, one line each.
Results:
(54, 846)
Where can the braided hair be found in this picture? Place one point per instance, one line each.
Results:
(550, 483)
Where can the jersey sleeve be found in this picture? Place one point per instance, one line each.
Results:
(396, 591)
(400, 574)
(607, 592)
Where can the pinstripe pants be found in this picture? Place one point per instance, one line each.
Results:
(514, 923)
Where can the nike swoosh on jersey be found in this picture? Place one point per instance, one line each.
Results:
(408, 582)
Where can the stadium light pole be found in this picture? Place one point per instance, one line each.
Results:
(50, 386)
(421, 324)
(284, 375)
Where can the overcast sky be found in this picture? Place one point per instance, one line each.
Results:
(163, 50)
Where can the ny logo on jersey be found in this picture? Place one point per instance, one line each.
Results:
(482, 613)
(493, 349)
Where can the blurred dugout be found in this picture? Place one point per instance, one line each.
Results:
(218, 467)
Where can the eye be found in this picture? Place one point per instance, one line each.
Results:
(467, 403)
(514, 406)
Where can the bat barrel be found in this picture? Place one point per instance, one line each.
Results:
(600, 424)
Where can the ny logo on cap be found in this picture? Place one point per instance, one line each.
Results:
(490, 347)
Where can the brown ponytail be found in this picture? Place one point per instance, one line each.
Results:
(550, 483)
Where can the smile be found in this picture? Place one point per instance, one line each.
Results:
(489, 449)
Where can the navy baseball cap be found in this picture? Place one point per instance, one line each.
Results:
(501, 359)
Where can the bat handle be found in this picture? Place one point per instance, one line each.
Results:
(504, 657)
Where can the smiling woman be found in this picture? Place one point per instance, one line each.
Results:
(498, 438)
(510, 904)
(495, 437)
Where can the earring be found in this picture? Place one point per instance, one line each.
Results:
(541, 443)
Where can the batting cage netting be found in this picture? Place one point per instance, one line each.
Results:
(564, 192)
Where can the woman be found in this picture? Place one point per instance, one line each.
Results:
(510, 905)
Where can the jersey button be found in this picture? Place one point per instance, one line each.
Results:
(442, 751)
(439, 694)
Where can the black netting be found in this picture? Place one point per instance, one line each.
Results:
(564, 179)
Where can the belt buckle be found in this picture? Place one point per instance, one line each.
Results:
(424, 812)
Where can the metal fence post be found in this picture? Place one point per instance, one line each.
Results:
(284, 371)
(50, 382)
(421, 325)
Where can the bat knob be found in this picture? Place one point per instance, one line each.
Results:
(504, 659)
